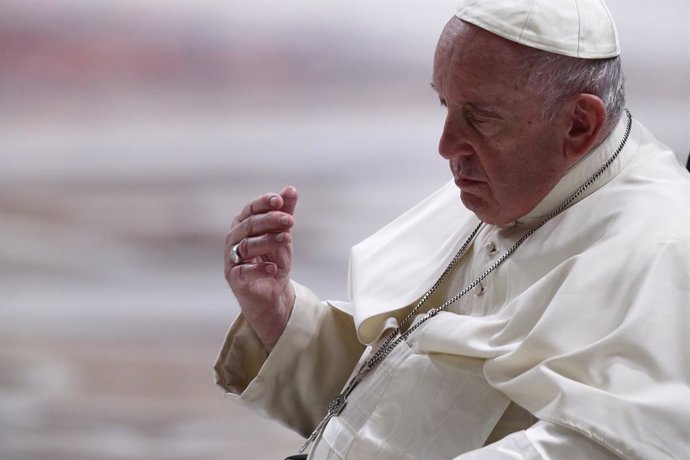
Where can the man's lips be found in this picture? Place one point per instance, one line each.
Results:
(466, 182)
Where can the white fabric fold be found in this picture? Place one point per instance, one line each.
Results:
(592, 325)
(395, 266)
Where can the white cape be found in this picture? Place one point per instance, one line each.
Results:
(594, 330)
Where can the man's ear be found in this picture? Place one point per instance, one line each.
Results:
(586, 119)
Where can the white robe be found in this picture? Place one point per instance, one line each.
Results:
(585, 326)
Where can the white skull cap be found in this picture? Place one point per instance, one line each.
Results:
(578, 28)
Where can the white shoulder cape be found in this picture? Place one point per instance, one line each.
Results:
(595, 334)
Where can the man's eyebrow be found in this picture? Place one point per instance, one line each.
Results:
(487, 110)
(443, 101)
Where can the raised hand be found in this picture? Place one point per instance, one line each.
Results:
(262, 239)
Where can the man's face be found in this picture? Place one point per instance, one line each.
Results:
(504, 158)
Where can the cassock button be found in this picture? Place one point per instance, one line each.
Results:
(478, 289)
(491, 249)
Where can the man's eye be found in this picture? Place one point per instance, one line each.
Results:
(476, 120)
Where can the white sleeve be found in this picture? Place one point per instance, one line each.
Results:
(542, 441)
(309, 364)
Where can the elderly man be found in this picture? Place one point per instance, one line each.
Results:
(544, 317)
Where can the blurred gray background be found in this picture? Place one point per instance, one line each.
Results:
(132, 131)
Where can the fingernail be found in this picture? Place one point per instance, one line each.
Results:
(284, 220)
(273, 201)
(270, 269)
(280, 237)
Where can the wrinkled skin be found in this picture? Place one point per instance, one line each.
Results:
(262, 285)
(503, 156)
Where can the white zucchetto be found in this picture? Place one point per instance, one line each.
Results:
(577, 28)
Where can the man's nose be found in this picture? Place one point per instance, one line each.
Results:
(453, 143)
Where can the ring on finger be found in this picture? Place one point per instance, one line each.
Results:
(235, 257)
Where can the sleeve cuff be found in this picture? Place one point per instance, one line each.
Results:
(243, 362)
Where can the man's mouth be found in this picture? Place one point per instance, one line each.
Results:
(466, 182)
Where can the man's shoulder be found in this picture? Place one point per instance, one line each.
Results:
(648, 199)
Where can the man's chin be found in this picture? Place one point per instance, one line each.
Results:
(474, 203)
(481, 208)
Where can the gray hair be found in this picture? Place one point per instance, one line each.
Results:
(558, 77)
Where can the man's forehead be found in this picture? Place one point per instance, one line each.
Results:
(479, 70)
(460, 37)
(468, 49)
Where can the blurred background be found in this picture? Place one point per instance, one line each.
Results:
(132, 131)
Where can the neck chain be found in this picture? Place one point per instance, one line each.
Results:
(397, 335)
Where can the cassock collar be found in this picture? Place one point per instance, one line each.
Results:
(579, 173)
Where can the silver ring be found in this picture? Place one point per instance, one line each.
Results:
(235, 257)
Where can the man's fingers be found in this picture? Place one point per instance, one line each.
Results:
(289, 196)
(253, 247)
(262, 230)
(246, 273)
(261, 205)
(259, 224)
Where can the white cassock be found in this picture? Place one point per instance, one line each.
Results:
(576, 347)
